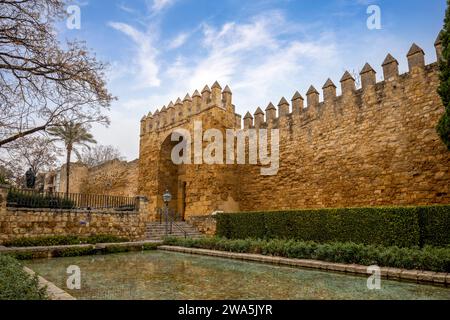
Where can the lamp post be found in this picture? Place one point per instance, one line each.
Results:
(167, 197)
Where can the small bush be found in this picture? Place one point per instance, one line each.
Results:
(16, 284)
(150, 246)
(74, 252)
(63, 241)
(428, 258)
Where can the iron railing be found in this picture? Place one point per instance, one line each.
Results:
(170, 218)
(19, 198)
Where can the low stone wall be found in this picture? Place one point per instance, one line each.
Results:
(204, 224)
(24, 223)
(16, 223)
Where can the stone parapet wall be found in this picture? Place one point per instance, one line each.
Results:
(16, 223)
(26, 223)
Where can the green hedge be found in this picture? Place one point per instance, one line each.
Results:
(63, 241)
(428, 258)
(16, 284)
(399, 226)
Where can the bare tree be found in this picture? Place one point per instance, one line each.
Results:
(100, 154)
(35, 152)
(42, 84)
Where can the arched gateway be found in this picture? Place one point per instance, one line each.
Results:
(197, 189)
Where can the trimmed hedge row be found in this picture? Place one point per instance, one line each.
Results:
(396, 226)
(16, 284)
(63, 241)
(428, 258)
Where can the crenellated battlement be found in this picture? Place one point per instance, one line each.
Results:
(299, 113)
(180, 111)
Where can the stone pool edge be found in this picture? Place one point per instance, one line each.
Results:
(53, 292)
(425, 277)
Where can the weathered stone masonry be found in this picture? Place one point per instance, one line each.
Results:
(372, 146)
(25, 223)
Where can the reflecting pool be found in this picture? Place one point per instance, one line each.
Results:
(159, 275)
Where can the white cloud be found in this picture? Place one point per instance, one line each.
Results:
(254, 59)
(159, 5)
(145, 60)
(178, 41)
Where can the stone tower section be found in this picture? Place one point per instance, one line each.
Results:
(197, 188)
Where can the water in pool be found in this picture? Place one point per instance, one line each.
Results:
(159, 275)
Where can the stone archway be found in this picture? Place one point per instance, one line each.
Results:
(171, 177)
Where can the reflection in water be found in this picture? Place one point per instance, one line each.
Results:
(164, 275)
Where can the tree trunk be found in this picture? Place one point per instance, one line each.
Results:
(69, 153)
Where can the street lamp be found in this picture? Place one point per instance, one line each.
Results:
(167, 197)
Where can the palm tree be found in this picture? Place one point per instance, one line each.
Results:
(71, 134)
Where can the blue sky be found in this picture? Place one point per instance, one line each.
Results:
(159, 50)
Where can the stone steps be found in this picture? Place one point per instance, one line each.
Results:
(157, 231)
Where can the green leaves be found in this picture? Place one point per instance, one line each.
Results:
(63, 241)
(16, 284)
(443, 127)
(428, 258)
(397, 226)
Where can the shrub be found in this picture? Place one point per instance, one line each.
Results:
(434, 225)
(74, 252)
(150, 246)
(428, 258)
(16, 284)
(399, 226)
(63, 241)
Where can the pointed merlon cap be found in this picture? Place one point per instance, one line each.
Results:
(227, 90)
(439, 38)
(170, 106)
(414, 50)
(283, 102)
(367, 68)
(216, 85)
(178, 102)
(328, 84)
(347, 76)
(271, 107)
(196, 94)
(297, 96)
(164, 109)
(187, 98)
(259, 111)
(156, 112)
(312, 90)
(150, 115)
(248, 116)
(206, 89)
(389, 59)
